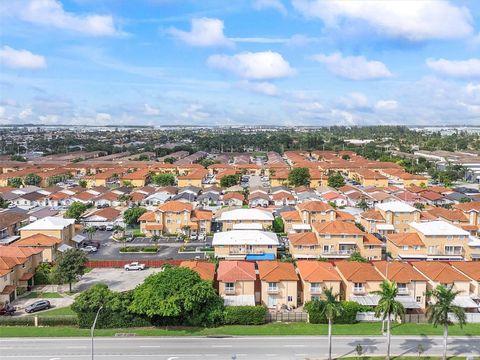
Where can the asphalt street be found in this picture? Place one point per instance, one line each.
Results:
(176, 348)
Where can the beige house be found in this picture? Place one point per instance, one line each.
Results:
(315, 276)
(399, 214)
(316, 212)
(242, 244)
(60, 228)
(48, 245)
(252, 219)
(279, 284)
(236, 282)
(406, 246)
(338, 239)
(472, 271)
(359, 280)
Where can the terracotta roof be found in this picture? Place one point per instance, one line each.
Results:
(470, 206)
(317, 206)
(317, 271)
(305, 238)
(85, 196)
(153, 227)
(8, 218)
(232, 271)
(175, 206)
(370, 239)
(357, 271)
(405, 239)
(108, 213)
(38, 240)
(400, 272)
(470, 268)
(337, 227)
(431, 195)
(201, 215)
(205, 269)
(291, 215)
(344, 216)
(282, 195)
(451, 215)
(372, 214)
(275, 271)
(148, 216)
(440, 272)
(233, 195)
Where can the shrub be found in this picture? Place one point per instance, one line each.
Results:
(245, 315)
(348, 315)
(17, 321)
(65, 320)
(43, 274)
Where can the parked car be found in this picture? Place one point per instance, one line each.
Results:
(93, 243)
(102, 227)
(109, 228)
(193, 237)
(201, 237)
(129, 238)
(134, 266)
(38, 306)
(89, 249)
(7, 310)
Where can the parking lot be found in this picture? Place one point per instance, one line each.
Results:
(116, 279)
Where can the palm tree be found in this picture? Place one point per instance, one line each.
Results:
(438, 312)
(388, 306)
(330, 307)
(90, 231)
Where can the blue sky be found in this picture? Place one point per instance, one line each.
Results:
(243, 62)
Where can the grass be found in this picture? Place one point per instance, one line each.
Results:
(404, 357)
(238, 330)
(56, 312)
(43, 295)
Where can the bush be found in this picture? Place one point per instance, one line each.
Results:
(17, 321)
(65, 320)
(348, 315)
(245, 315)
(43, 274)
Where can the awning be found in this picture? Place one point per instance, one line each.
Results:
(8, 240)
(369, 300)
(79, 238)
(260, 257)
(7, 290)
(239, 300)
(408, 302)
(64, 247)
(347, 242)
(385, 227)
(409, 256)
(465, 302)
(27, 276)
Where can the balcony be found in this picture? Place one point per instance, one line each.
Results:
(403, 291)
(315, 290)
(229, 291)
(344, 253)
(272, 290)
(358, 290)
(445, 252)
(244, 251)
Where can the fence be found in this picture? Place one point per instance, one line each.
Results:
(293, 316)
(415, 318)
(121, 263)
(367, 316)
(469, 317)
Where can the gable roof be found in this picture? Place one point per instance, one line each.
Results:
(337, 227)
(49, 223)
(317, 206)
(357, 271)
(470, 268)
(38, 240)
(405, 239)
(398, 271)
(317, 271)
(232, 271)
(305, 238)
(439, 271)
(175, 206)
(205, 269)
(275, 271)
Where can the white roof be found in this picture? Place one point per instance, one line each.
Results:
(465, 302)
(246, 214)
(385, 227)
(245, 237)
(49, 223)
(301, 227)
(408, 302)
(396, 206)
(370, 300)
(64, 247)
(247, 226)
(438, 228)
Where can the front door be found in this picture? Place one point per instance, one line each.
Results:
(272, 301)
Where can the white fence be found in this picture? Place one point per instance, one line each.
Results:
(367, 316)
(469, 317)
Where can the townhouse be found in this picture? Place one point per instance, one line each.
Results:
(63, 229)
(315, 277)
(245, 219)
(10, 223)
(245, 244)
(236, 282)
(472, 271)
(406, 246)
(206, 270)
(398, 214)
(279, 284)
(47, 244)
(103, 217)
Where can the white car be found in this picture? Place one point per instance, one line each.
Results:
(109, 228)
(89, 249)
(201, 237)
(134, 266)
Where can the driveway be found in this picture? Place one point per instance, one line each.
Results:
(116, 279)
(21, 303)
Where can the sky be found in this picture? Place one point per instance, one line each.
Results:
(242, 62)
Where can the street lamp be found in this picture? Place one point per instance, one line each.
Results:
(93, 326)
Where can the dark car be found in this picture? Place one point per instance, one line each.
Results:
(38, 306)
(95, 243)
(7, 310)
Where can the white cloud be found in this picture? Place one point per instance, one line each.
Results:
(270, 4)
(195, 112)
(412, 20)
(25, 113)
(21, 59)
(205, 32)
(150, 110)
(265, 65)
(3, 111)
(103, 117)
(456, 68)
(472, 88)
(353, 67)
(262, 87)
(50, 13)
(386, 105)
(346, 116)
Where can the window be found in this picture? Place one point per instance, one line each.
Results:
(315, 287)
(449, 237)
(272, 286)
(358, 287)
(315, 297)
(416, 247)
(418, 299)
(405, 247)
(229, 287)
(328, 236)
(402, 287)
(289, 298)
(270, 246)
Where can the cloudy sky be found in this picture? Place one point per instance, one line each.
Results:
(219, 62)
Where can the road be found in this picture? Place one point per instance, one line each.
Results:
(177, 348)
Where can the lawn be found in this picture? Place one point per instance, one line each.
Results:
(43, 295)
(56, 312)
(403, 357)
(237, 330)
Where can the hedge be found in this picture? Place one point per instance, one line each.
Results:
(67, 320)
(245, 315)
(347, 316)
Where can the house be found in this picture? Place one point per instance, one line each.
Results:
(279, 284)
(359, 281)
(433, 198)
(333, 197)
(368, 177)
(48, 244)
(236, 282)
(250, 217)
(304, 245)
(103, 217)
(205, 269)
(17, 269)
(373, 222)
(107, 199)
(411, 285)
(30, 200)
(338, 239)
(233, 198)
(471, 210)
(194, 178)
(406, 246)
(158, 198)
(258, 199)
(10, 222)
(293, 222)
(207, 198)
(63, 229)
(245, 244)
(315, 277)
(315, 212)
(398, 214)
(470, 269)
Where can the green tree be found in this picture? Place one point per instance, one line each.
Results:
(83, 183)
(169, 160)
(15, 182)
(17, 158)
(330, 308)
(32, 179)
(75, 210)
(388, 306)
(356, 256)
(336, 180)
(229, 180)
(91, 230)
(130, 216)
(419, 205)
(299, 177)
(278, 225)
(362, 204)
(178, 296)
(437, 313)
(69, 266)
(465, 199)
(3, 203)
(163, 179)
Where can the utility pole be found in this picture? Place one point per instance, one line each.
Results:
(93, 327)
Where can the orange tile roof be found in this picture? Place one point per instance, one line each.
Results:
(372, 214)
(38, 240)
(405, 239)
(344, 216)
(232, 271)
(451, 215)
(291, 215)
(148, 216)
(205, 269)
(370, 239)
(470, 268)
(317, 271)
(153, 227)
(305, 238)
(233, 195)
(201, 215)
(400, 272)
(439, 271)
(317, 206)
(337, 227)
(275, 271)
(175, 206)
(357, 271)
(108, 213)
(470, 206)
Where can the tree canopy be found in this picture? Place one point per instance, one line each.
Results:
(336, 180)
(32, 179)
(75, 210)
(130, 216)
(299, 177)
(163, 179)
(70, 265)
(229, 180)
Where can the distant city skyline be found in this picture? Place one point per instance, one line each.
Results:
(255, 62)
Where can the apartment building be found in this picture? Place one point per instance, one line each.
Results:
(279, 284)
(338, 239)
(245, 219)
(315, 277)
(406, 246)
(359, 281)
(398, 214)
(236, 282)
(60, 228)
(205, 269)
(316, 212)
(47, 244)
(245, 244)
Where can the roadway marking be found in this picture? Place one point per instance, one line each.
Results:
(221, 346)
(294, 345)
(150, 346)
(76, 347)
